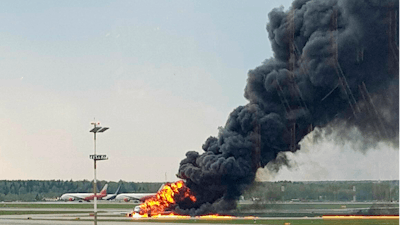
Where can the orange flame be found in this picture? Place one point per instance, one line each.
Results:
(161, 204)
(166, 198)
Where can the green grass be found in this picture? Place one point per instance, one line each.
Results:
(281, 221)
(68, 206)
(37, 212)
(294, 206)
(291, 207)
(265, 222)
(333, 222)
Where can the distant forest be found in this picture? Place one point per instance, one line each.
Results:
(41, 190)
(324, 191)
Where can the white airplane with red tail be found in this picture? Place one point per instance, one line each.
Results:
(84, 196)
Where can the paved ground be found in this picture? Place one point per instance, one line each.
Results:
(37, 222)
(83, 219)
(82, 216)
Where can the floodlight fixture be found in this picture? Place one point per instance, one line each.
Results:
(95, 129)
(103, 129)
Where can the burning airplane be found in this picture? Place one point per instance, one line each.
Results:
(335, 66)
(166, 199)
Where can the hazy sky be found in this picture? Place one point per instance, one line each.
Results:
(163, 75)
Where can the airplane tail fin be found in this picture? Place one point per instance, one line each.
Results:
(117, 192)
(104, 190)
(113, 196)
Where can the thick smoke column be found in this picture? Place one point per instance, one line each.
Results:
(335, 65)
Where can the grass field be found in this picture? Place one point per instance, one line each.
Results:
(320, 222)
(294, 206)
(36, 212)
(67, 206)
(36, 208)
(276, 206)
(317, 221)
(270, 222)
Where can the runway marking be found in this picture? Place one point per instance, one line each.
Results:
(360, 217)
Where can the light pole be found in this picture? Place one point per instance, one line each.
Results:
(96, 129)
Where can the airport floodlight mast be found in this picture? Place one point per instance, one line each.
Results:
(96, 129)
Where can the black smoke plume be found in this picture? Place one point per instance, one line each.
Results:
(335, 65)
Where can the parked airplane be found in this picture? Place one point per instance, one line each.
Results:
(112, 196)
(84, 196)
(135, 196)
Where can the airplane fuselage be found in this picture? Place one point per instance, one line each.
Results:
(134, 196)
(84, 196)
(81, 196)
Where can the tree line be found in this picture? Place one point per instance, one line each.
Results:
(40, 190)
(324, 191)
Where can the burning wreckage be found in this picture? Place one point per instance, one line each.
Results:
(335, 66)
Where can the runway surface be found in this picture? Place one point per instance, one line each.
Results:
(106, 218)
(112, 216)
(19, 222)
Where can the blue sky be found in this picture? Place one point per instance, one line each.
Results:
(163, 75)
